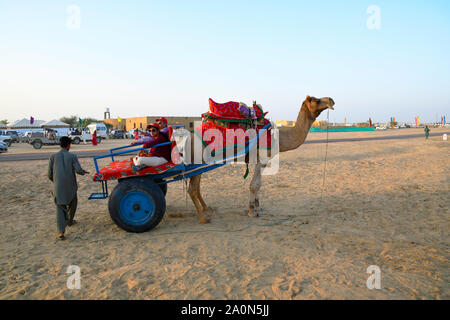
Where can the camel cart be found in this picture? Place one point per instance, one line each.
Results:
(138, 203)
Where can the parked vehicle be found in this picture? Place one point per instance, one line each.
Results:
(23, 137)
(3, 147)
(117, 134)
(101, 129)
(129, 134)
(6, 139)
(83, 135)
(13, 134)
(48, 137)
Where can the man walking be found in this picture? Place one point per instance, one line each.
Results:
(61, 171)
(427, 132)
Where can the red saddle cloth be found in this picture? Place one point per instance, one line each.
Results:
(230, 135)
(229, 110)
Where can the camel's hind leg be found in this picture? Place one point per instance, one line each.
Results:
(194, 193)
(207, 211)
(199, 195)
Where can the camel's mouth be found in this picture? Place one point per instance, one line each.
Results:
(331, 104)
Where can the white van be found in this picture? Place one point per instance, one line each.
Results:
(100, 127)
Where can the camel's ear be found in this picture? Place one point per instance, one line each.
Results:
(308, 98)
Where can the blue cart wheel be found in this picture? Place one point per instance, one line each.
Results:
(136, 205)
(162, 186)
(136, 208)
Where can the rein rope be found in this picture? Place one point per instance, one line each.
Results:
(325, 160)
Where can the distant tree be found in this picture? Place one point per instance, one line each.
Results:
(72, 121)
(87, 121)
(4, 121)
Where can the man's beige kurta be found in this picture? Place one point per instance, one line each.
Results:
(61, 170)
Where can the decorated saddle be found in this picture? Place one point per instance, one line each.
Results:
(233, 120)
(237, 111)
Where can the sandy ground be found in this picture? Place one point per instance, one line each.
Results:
(385, 203)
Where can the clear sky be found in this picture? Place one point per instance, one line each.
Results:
(168, 57)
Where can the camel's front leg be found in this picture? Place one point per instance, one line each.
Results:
(255, 185)
(194, 192)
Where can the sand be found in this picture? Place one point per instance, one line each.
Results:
(385, 203)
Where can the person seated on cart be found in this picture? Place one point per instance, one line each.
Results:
(162, 122)
(156, 156)
(163, 125)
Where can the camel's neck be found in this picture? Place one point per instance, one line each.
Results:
(293, 138)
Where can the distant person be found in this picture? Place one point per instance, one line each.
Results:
(136, 134)
(83, 135)
(427, 132)
(94, 138)
(61, 171)
(145, 139)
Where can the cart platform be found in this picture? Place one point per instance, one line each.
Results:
(123, 169)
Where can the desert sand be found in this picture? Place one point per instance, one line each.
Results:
(384, 203)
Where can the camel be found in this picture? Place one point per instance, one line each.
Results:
(289, 139)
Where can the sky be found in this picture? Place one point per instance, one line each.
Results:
(376, 59)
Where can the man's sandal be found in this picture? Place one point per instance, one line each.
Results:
(71, 223)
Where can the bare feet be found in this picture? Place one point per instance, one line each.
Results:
(61, 236)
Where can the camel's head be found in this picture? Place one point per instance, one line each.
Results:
(315, 106)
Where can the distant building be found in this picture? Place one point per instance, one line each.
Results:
(142, 122)
(320, 124)
(285, 123)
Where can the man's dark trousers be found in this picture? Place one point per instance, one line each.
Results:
(65, 214)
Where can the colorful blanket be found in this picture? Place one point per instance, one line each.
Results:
(122, 169)
(234, 111)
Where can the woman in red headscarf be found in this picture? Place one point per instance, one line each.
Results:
(94, 138)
